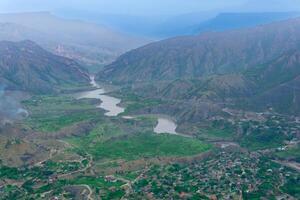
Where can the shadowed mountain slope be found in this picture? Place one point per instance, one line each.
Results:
(26, 66)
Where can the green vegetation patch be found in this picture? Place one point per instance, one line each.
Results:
(292, 187)
(262, 140)
(95, 182)
(213, 133)
(62, 167)
(216, 130)
(144, 145)
(100, 134)
(292, 153)
(52, 113)
(134, 102)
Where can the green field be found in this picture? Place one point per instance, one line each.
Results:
(134, 102)
(100, 134)
(292, 153)
(52, 113)
(143, 145)
(215, 134)
(292, 187)
(262, 140)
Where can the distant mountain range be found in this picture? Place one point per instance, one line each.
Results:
(228, 21)
(185, 24)
(257, 66)
(91, 45)
(156, 26)
(26, 66)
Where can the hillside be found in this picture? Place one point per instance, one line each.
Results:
(278, 83)
(247, 68)
(90, 44)
(205, 54)
(26, 66)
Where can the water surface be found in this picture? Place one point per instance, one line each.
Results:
(165, 125)
(108, 103)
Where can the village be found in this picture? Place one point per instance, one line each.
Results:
(229, 174)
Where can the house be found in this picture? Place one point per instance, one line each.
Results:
(110, 178)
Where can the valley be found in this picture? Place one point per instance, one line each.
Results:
(211, 116)
(81, 139)
(92, 45)
(112, 152)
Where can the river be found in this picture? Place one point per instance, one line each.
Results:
(111, 106)
(108, 103)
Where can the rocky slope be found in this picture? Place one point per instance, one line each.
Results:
(26, 66)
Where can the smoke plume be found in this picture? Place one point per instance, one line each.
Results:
(10, 108)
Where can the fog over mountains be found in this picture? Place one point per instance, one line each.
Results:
(227, 21)
(165, 26)
(89, 44)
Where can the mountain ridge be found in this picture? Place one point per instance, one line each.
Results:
(87, 43)
(26, 66)
(238, 20)
(207, 53)
(249, 65)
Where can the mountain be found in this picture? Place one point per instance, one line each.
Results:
(278, 83)
(154, 26)
(135, 25)
(166, 26)
(205, 54)
(247, 68)
(270, 5)
(87, 43)
(15, 32)
(26, 66)
(184, 24)
(228, 21)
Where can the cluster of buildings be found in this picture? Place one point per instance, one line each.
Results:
(228, 175)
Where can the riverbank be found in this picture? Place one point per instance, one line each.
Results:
(165, 124)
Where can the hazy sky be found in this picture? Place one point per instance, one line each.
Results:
(147, 7)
